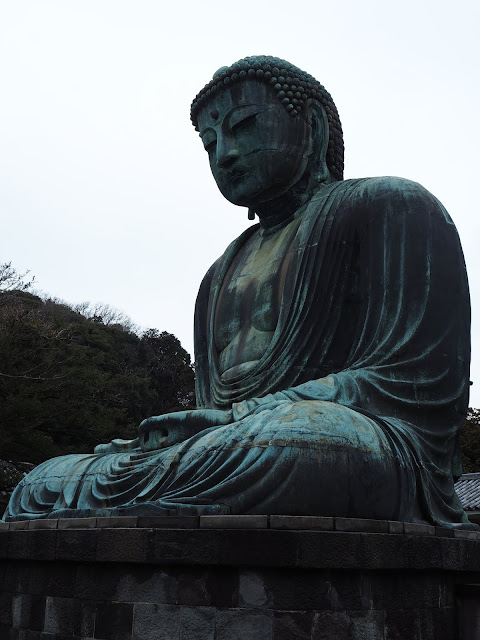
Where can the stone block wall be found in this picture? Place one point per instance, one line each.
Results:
(208, 583)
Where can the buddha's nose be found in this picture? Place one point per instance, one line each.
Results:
(227, 153)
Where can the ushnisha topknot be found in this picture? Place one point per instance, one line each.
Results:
(292, 87)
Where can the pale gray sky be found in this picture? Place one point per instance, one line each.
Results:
(105, 190)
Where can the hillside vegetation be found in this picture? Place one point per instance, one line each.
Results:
(71, 378)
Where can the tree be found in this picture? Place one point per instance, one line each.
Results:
(470, 442)
(11, 279)
(105, 314)
(169, 370)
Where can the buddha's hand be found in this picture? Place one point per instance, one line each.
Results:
(159, 432)
(118, 446)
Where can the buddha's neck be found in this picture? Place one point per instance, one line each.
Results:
(274, 212)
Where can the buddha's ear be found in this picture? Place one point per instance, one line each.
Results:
(318, 122)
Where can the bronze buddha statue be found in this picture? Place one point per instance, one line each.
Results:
(331, 338)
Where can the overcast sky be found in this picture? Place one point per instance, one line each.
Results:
(105, 190)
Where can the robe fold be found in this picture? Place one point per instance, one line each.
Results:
(369, 362)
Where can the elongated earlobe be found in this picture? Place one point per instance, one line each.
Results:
(320, 132)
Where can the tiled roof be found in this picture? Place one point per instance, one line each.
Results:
(468, 490)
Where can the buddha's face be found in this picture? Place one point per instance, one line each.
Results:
(257, 151)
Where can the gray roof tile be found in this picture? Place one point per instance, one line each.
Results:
(468, 490)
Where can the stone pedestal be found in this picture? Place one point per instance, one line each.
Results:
(237, 578)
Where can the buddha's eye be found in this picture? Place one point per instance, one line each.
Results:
(243, 124)
(210, 146)
(209, 141)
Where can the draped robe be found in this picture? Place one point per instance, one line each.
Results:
(361, 392)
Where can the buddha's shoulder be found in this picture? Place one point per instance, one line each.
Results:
(386, 196)
(385, 187)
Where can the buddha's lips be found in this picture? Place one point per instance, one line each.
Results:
(232, 175)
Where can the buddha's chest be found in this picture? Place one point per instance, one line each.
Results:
(250, 298)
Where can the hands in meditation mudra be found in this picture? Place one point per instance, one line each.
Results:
(331, 339)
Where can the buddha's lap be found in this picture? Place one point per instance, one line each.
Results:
(315, 430)
(307, 458)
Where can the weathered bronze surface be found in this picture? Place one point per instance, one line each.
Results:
(331, 339)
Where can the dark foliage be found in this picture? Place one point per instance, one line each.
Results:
(470, 442)
(68, 382)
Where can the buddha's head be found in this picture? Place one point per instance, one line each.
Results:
(271, 131)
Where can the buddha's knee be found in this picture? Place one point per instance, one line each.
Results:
(328, 422)
(344, 454)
